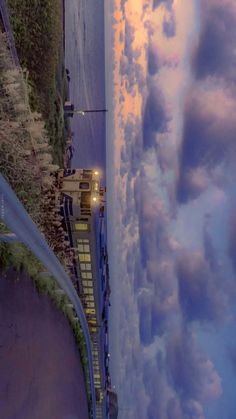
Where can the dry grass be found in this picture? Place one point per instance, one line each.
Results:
(38, 31)
(25, 154)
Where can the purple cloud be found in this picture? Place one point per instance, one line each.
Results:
(210, 252)
(154, 381)
(162, 315)
(122, 6)
(174, 409)
(232, 356)
(156, 117)
(209, 122)
(173, 291)
(169, 26)
(187, 410)
(189, 369)
(152, 216)
(156, 60)
(193, 410)
(156, 311)
(215, 53)
(139, 277)
(157, 3)
(232, 237)
(208, 137)
(130, 69)
(131, 151)
(180, 379)
(153, 65)
(145, 320)
(203, 293)
(129, 39)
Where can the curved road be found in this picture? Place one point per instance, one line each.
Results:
(41, 376)
(16, 218)
(7, 26)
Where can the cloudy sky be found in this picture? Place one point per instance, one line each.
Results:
(171, 156)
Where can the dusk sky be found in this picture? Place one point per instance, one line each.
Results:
(171, 174)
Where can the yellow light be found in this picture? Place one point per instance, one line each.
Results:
(96, 173)
(94, 199)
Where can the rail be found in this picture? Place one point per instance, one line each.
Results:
(20, 223)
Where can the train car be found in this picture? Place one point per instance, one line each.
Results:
(83, 209)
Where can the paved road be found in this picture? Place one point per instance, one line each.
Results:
(16, 218)
(7, 26)
(41, 375)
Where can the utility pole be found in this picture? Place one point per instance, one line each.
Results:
(69, 110)
(84, 111)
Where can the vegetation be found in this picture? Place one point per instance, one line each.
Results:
(25, 155)
(38, 31)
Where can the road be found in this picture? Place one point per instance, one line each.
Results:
(7, 26)
(16, 218)
(40, 368)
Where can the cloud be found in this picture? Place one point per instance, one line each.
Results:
(139, 274)
(209, 123)
(171, 278)
(202, 292)
(157, 309)
(129, 39)
(189, 369)
(152, 218)
(131, 69)
(232, 356)
(215, 53)
(169, 26)
(163, 313)
(156, 117)
(157, 3)
(157, 59)
(132, 149)
(209, 130)
(174, 409)
(210, 252)
(208, 136)
(156, 387)
(122, 5)
(192, 183)
(191, 409)
(180, 378)
(153, 66)
(232, 237)
(145, 319)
